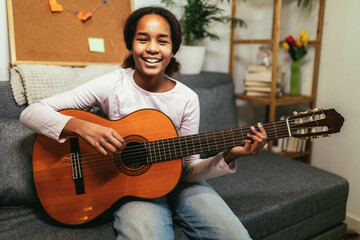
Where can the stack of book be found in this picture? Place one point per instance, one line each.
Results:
(257, 81)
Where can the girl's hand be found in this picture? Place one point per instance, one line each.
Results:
(251, 146)
(103, 139)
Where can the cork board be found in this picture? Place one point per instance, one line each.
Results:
(40, 36)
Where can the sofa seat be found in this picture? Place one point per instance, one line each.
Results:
(274, 197)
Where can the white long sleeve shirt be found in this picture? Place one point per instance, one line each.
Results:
(118, 95)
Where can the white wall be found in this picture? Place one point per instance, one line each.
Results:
(339, 86)
(339, 81)
(4, 43)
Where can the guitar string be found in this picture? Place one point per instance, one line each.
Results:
(198, 137)
(269, 132)
(132, 160)
(135, 157)
(98, 165)
(136, 148)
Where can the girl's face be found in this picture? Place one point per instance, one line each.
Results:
(152, 46)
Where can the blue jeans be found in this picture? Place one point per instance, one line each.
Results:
(196, 208)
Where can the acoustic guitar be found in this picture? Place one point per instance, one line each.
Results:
(76, 184)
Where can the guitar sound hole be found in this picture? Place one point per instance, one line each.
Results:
(132, 160)
(134, 155)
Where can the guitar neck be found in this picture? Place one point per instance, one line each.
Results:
(174, 148)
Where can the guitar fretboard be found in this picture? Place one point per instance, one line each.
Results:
(174, 148)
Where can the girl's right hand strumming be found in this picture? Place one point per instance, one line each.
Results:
(103, 139)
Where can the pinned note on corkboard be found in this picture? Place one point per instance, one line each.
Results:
(63, 32)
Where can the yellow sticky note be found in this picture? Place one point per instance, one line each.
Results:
(96, 45)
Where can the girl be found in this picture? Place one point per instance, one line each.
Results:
(153, 36)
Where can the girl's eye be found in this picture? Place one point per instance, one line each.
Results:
(163, 41)
(142, 39)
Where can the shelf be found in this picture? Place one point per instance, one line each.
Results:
(276, 43)
(286, 99)
(267, 41)
(253, 41)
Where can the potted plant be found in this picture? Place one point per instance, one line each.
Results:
(197, 16)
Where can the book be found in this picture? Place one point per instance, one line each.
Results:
(258, 68)
(256, 84)
(261, 94)
(266, 89)
(263, 74)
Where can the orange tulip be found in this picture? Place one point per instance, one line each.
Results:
(299, 43)
(302, 33)
(286, 46)
(305, 38)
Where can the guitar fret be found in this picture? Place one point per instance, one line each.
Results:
(180, 147)
(164, 156)
(158, 151)
(275, 130)
(207, 140)
(175, 148)
(187, 149)
(192, 139)
(199, 140)
(215, 140)
(232, 136)
(169, 149)
(222, 131)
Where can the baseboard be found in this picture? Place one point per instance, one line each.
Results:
(353, 222)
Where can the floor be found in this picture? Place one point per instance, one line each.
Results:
(351, 235)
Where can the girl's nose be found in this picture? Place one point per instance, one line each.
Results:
(152, 47)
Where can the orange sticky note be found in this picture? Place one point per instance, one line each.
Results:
(84, 17)
(55, 7)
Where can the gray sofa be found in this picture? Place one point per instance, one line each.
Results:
(274, 197)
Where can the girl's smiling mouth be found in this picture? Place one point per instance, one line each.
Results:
(152, 60)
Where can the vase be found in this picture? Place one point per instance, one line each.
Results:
(295, 79)
(191, 59)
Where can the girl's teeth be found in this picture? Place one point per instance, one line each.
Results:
(152, 60)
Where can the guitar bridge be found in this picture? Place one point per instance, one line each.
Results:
(75, 157)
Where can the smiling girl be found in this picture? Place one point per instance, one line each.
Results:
(153, 36)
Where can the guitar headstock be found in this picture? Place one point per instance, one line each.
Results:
(315, 123)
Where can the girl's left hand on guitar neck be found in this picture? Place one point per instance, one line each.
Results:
(253, 145)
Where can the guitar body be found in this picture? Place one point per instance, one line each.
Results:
(75, 195)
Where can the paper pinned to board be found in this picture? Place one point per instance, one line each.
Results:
(96, 45)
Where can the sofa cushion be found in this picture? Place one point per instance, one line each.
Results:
(17, 187)
(205, 79)
(8, 108)
(278, 197)
(217, 108)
